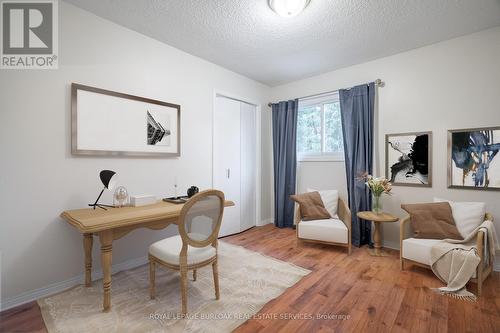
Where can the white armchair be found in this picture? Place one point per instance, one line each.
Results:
(333, 231)
(417, 251)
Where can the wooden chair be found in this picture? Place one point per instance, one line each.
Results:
(416, 251)
(196, 244)
(334, 231)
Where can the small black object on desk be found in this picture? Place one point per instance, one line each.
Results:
(177, 200)
(192, 191)
(108, 179)
(183, 199)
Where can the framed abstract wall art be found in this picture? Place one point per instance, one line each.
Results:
(408, 159)
(108, 123)
(474, 159)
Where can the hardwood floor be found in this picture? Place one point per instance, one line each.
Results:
(365, 293)
(24, 318)
(372, 291)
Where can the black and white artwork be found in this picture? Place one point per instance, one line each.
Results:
(158, 128)
(408, 159)
(109, 123)
(474, 161)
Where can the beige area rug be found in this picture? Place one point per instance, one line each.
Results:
(248, 280)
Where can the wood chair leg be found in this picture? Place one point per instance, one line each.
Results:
(479, 276)
(194, 275)
(299, 243)
(215, 270)
(152, 276)
(402, 264)
(349, 249)
(184, 290)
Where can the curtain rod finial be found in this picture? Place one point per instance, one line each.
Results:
(379, 83)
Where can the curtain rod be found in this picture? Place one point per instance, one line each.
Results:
(378, 83)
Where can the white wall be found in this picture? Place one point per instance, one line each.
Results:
(321, 175)
(450, 85)
(39, 178)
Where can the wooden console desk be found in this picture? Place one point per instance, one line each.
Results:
(113, 224)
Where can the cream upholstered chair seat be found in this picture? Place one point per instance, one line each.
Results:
(168, 250)
(196, 244)
(330, 230)
(419, 250)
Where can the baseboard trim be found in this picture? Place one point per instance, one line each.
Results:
(496, 264)
(264, 222)
(391, 245)
(57, 287)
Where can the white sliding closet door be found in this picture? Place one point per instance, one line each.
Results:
(226, 173)
(235, 162)
(248, 163)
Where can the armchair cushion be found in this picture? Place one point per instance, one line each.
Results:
(467, 215)
(419, 250)
(432, 220)
(330, 200)
(331, 230)
(311, 206)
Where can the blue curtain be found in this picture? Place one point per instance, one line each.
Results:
(285, 160)
(356, 107)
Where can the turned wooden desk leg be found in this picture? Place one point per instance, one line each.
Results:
(88, 240)
(106, 239)
(377, 238)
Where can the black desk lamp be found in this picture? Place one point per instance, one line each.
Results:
(108, 180)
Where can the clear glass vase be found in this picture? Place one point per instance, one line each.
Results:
(376, 204)
(120, 197)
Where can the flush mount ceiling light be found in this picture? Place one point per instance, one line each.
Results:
(288, 8)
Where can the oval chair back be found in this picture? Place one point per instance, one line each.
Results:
(200, 219)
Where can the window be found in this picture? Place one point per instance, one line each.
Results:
(319, 129)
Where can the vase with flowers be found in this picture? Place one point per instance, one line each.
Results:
(378, 186)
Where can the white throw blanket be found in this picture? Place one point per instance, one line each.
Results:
(455, 261)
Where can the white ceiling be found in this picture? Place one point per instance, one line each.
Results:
(247, 37)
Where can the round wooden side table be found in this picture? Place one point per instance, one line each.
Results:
(377, 220)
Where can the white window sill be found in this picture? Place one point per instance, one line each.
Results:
(321, 158)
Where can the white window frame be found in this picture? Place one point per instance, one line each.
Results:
(323, 156)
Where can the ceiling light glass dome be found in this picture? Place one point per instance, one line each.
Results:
(288, 8)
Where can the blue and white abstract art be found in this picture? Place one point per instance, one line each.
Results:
(474, 158)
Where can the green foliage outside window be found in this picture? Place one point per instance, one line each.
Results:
(312, 137)
(333, 128)
(309, 130)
